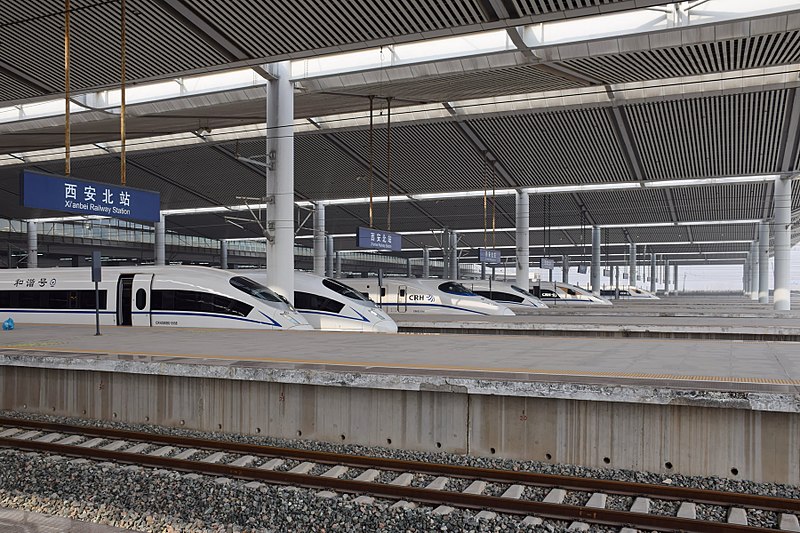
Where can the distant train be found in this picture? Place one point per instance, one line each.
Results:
(169, 296)
(440, 296)
(629, 293)
(558, 293)
(515, 298)
(329, 304)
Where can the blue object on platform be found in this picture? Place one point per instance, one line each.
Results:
(8, 325)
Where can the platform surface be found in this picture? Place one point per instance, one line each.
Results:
(16, 521)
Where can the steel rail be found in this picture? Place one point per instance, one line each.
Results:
(750, 501)
(436, 497)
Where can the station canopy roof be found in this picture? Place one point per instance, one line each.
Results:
(663, 123)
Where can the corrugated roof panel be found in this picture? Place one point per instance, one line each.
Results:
(723, 232)
(624, 206)
(734, 134)
(575, 146)
(720, 202)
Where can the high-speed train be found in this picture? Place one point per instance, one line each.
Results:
(558, 293)
(515, 298)
(629, 293)
(440, 296)
(329, 304)
(169, 296)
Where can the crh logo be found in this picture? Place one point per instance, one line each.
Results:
(420, 298)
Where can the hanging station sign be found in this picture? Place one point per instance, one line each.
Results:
(582, 269)
(61, 193)
(378, 240)
(547, 263)
(489, 256)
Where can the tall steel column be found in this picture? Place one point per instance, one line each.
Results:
(523, 239)
(783, 245)
(754, 268)
(763, 261)
(675, 275)
(223, 255)
(666, 276)
(596, 268)
(746, 276)
(426, 263)
(632, 265)
(446, 253)
(280, 180)
(33, 245)
(319, 239)
(329, 256)
(653, 273)
(453, 255)
(160, 242)
(564, 270)
(338, 273)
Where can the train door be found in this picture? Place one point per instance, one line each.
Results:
(141, 299)
(133, 299)
(402, 298)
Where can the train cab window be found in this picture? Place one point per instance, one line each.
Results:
(521, 291)
(141, 299)
(498, 296)
(256, 290)
(315, 302)
(199, 302)
(344, 290)
(451, 287)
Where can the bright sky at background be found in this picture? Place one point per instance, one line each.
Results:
(698, 278)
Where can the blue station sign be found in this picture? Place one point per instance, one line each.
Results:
(491, 257)
(547, 263)
(60, 193)
(378, 240)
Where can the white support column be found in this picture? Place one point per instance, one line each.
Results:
(616, 281)
(338, 273)
(319, 239)
(160, 242)
(783, 245)
(329, 256)
(453, 255)
(653, 273)
(763, 262)
(523, 239)
(426, 263)
(564, 270)
(675, 275)
(445, 254)
(754, 268)
(33, 245)
(596, 268)
(746, 276)
(223, 255)
(483, 271)
(666, 276)
(632, 265)
(408, 267)
(280, 180)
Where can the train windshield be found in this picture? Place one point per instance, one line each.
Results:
(256, 290)
(522, 291)
(451, 287)
(344, 290)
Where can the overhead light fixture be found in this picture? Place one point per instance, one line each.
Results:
(727, 180)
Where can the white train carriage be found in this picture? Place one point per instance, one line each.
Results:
(558, 293)
(331, 305)
(515, 298)
(628, 293)
(439, 296)
(172, 296)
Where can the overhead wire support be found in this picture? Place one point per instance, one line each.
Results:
(371, 157)
(122, 167)
(389, 163)
(67, 132)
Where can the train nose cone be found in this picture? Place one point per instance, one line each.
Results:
(385, 326)
(508, 312)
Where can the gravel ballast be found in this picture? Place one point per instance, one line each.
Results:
(142, 500)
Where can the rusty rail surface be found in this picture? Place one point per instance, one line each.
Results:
(422, 495)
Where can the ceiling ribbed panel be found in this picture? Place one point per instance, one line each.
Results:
(470, 85)
(468, 212)
(736, 134)
(723, 232)
(659, 234)
(11, 89)
(719, 56)
(207, 171)
(286, 27)
(555, 148)
(543, 7)
(425, 158)
(31, 40)
(322, 171)
(720, 202)
(620, 207)
(564, 211)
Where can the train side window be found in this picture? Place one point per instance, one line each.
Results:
(50, 299)
(383, 291)
(402, 293)
(315, 302)
(141, 299)
(498, 296)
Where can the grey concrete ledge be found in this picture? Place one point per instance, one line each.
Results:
(757, 396)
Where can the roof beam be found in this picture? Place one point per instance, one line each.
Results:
(25, 79)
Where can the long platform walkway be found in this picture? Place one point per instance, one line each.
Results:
(16, 521)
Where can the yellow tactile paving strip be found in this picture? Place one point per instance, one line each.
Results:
(375, 365)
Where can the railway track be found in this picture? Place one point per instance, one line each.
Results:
(576, 500)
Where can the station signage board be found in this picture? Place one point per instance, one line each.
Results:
(582, 269)
(489, 256)
(61, 193)
(378, 240)
(547, 263)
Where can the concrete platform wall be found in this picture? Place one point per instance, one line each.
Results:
(761, 446)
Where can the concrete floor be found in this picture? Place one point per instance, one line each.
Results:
(702, 360)
(16, 521)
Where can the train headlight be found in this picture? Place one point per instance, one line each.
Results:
(290, 318)
(375, 312)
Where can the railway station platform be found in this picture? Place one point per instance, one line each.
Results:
(17, 521)
(699, 407)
